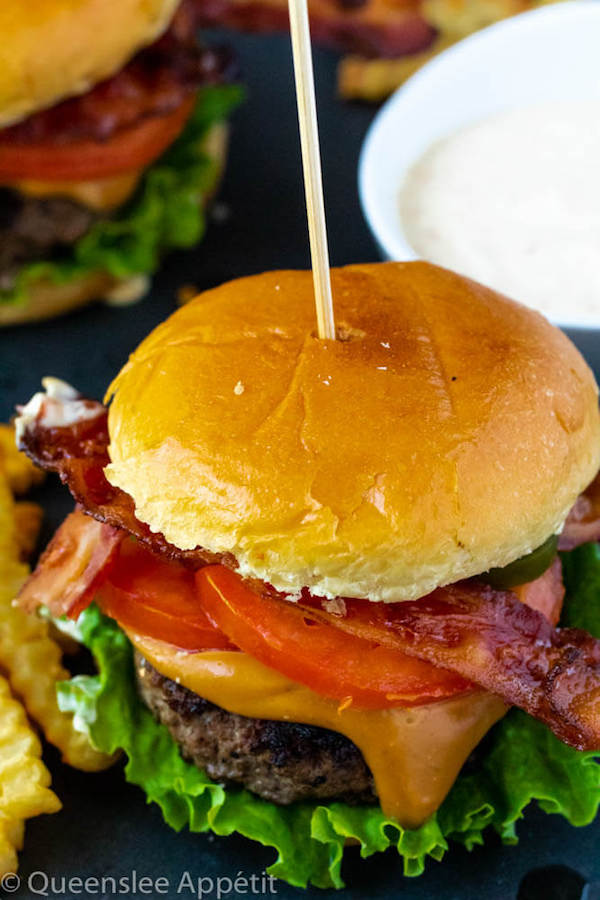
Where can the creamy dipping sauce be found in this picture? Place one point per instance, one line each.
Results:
(514, 202)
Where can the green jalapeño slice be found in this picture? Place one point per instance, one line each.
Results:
(525, 569)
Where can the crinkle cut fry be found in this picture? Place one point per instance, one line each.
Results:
(33, 662)
(24, 779)
(374, 79)
(28, 521)
(31, 658)
(12, 833)
(22, 474)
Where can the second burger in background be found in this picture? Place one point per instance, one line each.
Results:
(111, 140)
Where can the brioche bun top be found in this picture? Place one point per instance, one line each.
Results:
(448, 431)
(52, 49)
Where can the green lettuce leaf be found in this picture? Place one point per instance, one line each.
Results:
(581, 574)
(165, 212)
(519, 762)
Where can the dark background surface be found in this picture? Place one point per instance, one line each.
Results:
(105, 827)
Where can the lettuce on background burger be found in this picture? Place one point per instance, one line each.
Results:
(112, 137)
(314, 574)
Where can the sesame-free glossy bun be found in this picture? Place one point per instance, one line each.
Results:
(449, 430)
(51, 49)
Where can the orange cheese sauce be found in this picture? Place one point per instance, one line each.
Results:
(414, 754)
(101, 195)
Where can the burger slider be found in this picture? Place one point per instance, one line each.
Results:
(111, 139)
(330, 567)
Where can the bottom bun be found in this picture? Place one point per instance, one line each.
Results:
(46, 300)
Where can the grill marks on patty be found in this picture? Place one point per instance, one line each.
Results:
(280, 761)
(35, 227)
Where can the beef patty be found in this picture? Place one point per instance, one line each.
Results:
(33, 227)
(280, 761)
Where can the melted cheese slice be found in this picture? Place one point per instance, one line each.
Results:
(414, 754)
(101, 195)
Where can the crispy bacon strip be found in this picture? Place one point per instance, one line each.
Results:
(75, 560)
(66, 433)
(583, 522)
(491, 638)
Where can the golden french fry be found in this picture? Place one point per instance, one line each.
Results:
(14, 829)
(31, 658)
(33, 662)
(458, 18)
(28, 520)
(12, 834)
(24, 779)
(9, 830)
(375, 79)
(9, 548)
(21, 472)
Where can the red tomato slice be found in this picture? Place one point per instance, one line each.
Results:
(158, 599)
(85, 160)
(334, 664)
(214, 608)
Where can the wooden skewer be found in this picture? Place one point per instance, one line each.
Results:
(311, 164)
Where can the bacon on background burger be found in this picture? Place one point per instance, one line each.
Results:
(92, 99)
(336, 562)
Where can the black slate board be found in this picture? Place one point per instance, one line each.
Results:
(105, 827)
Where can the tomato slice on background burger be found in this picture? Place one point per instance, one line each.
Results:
(82, 160)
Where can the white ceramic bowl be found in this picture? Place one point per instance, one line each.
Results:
(551, 53)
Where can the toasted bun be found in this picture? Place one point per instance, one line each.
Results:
(45, 300)
(52, 49)
(449, 430)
